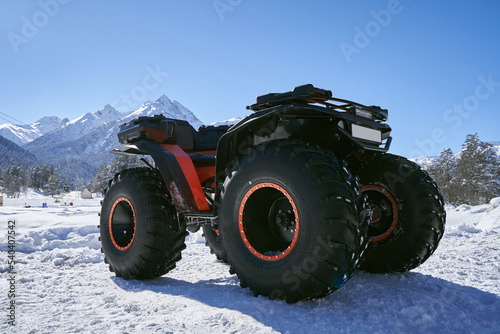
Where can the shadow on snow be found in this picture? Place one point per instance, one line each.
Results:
(388, 303)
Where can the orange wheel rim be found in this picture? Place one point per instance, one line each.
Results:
(281, 227)
(383, 205)
(122, 224)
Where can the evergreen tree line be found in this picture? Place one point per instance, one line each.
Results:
(107, 171)
(469, 177)
(16, 179)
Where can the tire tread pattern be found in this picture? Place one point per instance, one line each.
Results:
(338, 191)
(419, 233)
(159, 248)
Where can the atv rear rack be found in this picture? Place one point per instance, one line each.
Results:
(309, 94)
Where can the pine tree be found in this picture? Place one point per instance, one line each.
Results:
(107, 171)
(12, 181)
(53, 186)
(100, 179)
(36, 178)
(477, 172)
(443, 171)
(25, 175)
(490, 187)
(44, 176)
(472, 176)
(1, 182)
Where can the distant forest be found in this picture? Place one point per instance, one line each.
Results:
(471, 176)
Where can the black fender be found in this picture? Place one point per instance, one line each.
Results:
(177, 171)
(322, 126)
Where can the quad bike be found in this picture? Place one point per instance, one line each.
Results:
(295, 197)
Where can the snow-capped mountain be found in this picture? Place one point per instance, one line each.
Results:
(80, 146)
(91, 121)
(48, 123)
(23, 134)
(108, 114)
(77, 128)
(168, 108)
(230, 121)
(424, 161)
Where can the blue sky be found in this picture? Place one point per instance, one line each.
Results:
(434, 65)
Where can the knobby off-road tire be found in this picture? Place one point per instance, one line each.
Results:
(213, 241)
(289, 221)
(140, 234)
(408, 216)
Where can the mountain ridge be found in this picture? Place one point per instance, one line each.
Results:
(13, 154)
(22, 134)
(80, 146)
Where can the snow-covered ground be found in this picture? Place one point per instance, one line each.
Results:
(63, 286)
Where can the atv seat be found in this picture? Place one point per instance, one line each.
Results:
(202, 160)
(205, 139)
(164, 130)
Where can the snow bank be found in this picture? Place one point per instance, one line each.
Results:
(484, 217)
(59, 237)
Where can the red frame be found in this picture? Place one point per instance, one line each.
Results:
(194, 176)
